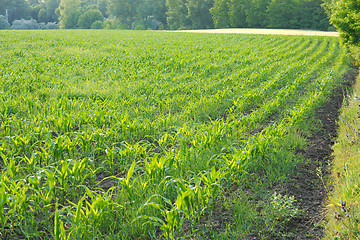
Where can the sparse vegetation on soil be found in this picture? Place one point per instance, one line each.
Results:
(343, 213)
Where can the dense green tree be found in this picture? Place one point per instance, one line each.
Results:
(152, 14)
(69, 13)
(199, 13)
(305, 14)
(87, 5)
(177, 14)
(17, 9)
(102, 7)
(35, 11)
(346, 18)
(283, 14)
(97, 25)
(51, 7)
(43, 16)
(89, 17)
(25, 24)
(4, 24)
(124, 10)
(256, 13)
(220, 13)
(312, 15)
(237, 13)
(33, 2)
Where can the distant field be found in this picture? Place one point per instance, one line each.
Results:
(267, 31)
(137, 135)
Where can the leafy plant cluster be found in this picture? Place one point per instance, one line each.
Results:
(33, 24)
(129, 135)
(345, 16)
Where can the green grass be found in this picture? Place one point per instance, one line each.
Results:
(343, 208)
(136, 135)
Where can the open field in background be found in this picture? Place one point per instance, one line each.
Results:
(266, 31)
(133, 135)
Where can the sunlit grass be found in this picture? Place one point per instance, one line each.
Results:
(343, 207)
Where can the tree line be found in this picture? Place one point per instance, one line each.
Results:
(169, 14)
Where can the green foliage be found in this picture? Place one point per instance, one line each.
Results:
(17, 9)
(345, 17)
(97, 25)
(115, 24)
(291, 14)
(35, 11)
(139, 27)
(152, 14)
(25, 24)
(3, 23)
(69, 13)
(174, 14)
(282, 208)
(283, 14)
(256, 15)
(237, 13)
(124, 10)
(177, 14)
(220, 12)
(51, 7)
(42, 16)
(102, 7)
(88, 18)
(199, 13)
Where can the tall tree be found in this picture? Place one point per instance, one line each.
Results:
(4, 24)
(102, 6)
(124, 10)
(16, 9)
(312, 15)
(177, 14)
(89, 17)
(152, 14)
(220, 13)
(346, 18)
(283, 14)
(237, 12)
(51, 6)
(199, 13)
(69, 11)
(256, 15)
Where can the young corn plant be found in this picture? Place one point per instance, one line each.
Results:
(158, 166)
(127, 184)
(91, 214)
(213, 181)
(172, 217)
(4, 198)
(59, 230)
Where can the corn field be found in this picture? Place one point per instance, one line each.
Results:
(144, 135)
